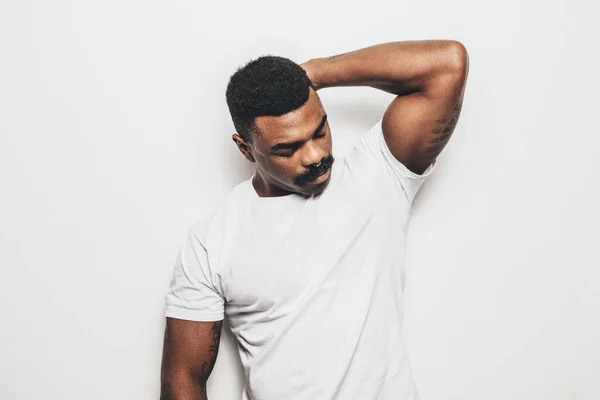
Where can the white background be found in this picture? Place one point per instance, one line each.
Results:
(116, 138)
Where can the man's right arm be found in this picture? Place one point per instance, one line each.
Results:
(189, 354)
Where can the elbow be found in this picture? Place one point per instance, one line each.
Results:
(458, 58)
(182, 385)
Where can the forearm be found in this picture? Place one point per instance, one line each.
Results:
(396, 67)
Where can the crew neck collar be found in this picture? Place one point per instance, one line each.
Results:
(288, 198)
(292, 197)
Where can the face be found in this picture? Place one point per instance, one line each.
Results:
(288, 149)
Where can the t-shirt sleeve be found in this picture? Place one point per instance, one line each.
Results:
(373, 145)
(192, 295)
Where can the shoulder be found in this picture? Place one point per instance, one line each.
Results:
(220, 218)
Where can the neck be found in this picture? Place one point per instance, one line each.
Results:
(265, 189)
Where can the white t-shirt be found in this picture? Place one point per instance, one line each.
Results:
(312, 288)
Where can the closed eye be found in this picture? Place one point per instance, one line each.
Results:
(321, 134)
(288, 154)
(292, 151)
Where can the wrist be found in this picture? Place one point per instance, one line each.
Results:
(312, 71)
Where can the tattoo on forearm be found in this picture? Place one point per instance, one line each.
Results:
(170, 382)
(442, 132)
(213, 349)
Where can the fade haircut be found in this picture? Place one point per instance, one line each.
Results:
(266, 86)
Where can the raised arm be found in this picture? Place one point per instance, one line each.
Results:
(429, 78)
(189, 354)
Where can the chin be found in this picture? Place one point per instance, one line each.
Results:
(313, 189)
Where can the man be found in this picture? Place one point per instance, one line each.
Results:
(306, 258)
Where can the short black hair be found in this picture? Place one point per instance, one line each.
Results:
(269, 85)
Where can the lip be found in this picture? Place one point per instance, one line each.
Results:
(321, 178)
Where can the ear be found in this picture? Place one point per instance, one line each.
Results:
(243, 147)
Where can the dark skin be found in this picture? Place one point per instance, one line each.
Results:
(429, 79)
(189, 354)
(288, 146)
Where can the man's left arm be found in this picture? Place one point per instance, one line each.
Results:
(429, 80)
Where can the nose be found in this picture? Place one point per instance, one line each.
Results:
(313, 155)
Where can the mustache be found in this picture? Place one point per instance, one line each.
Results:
(314, 173)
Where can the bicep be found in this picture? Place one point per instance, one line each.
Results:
(189, 353)
(417, 127)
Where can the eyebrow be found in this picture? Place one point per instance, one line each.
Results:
(293, 145)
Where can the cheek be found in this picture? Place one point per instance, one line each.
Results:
(284, 168)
